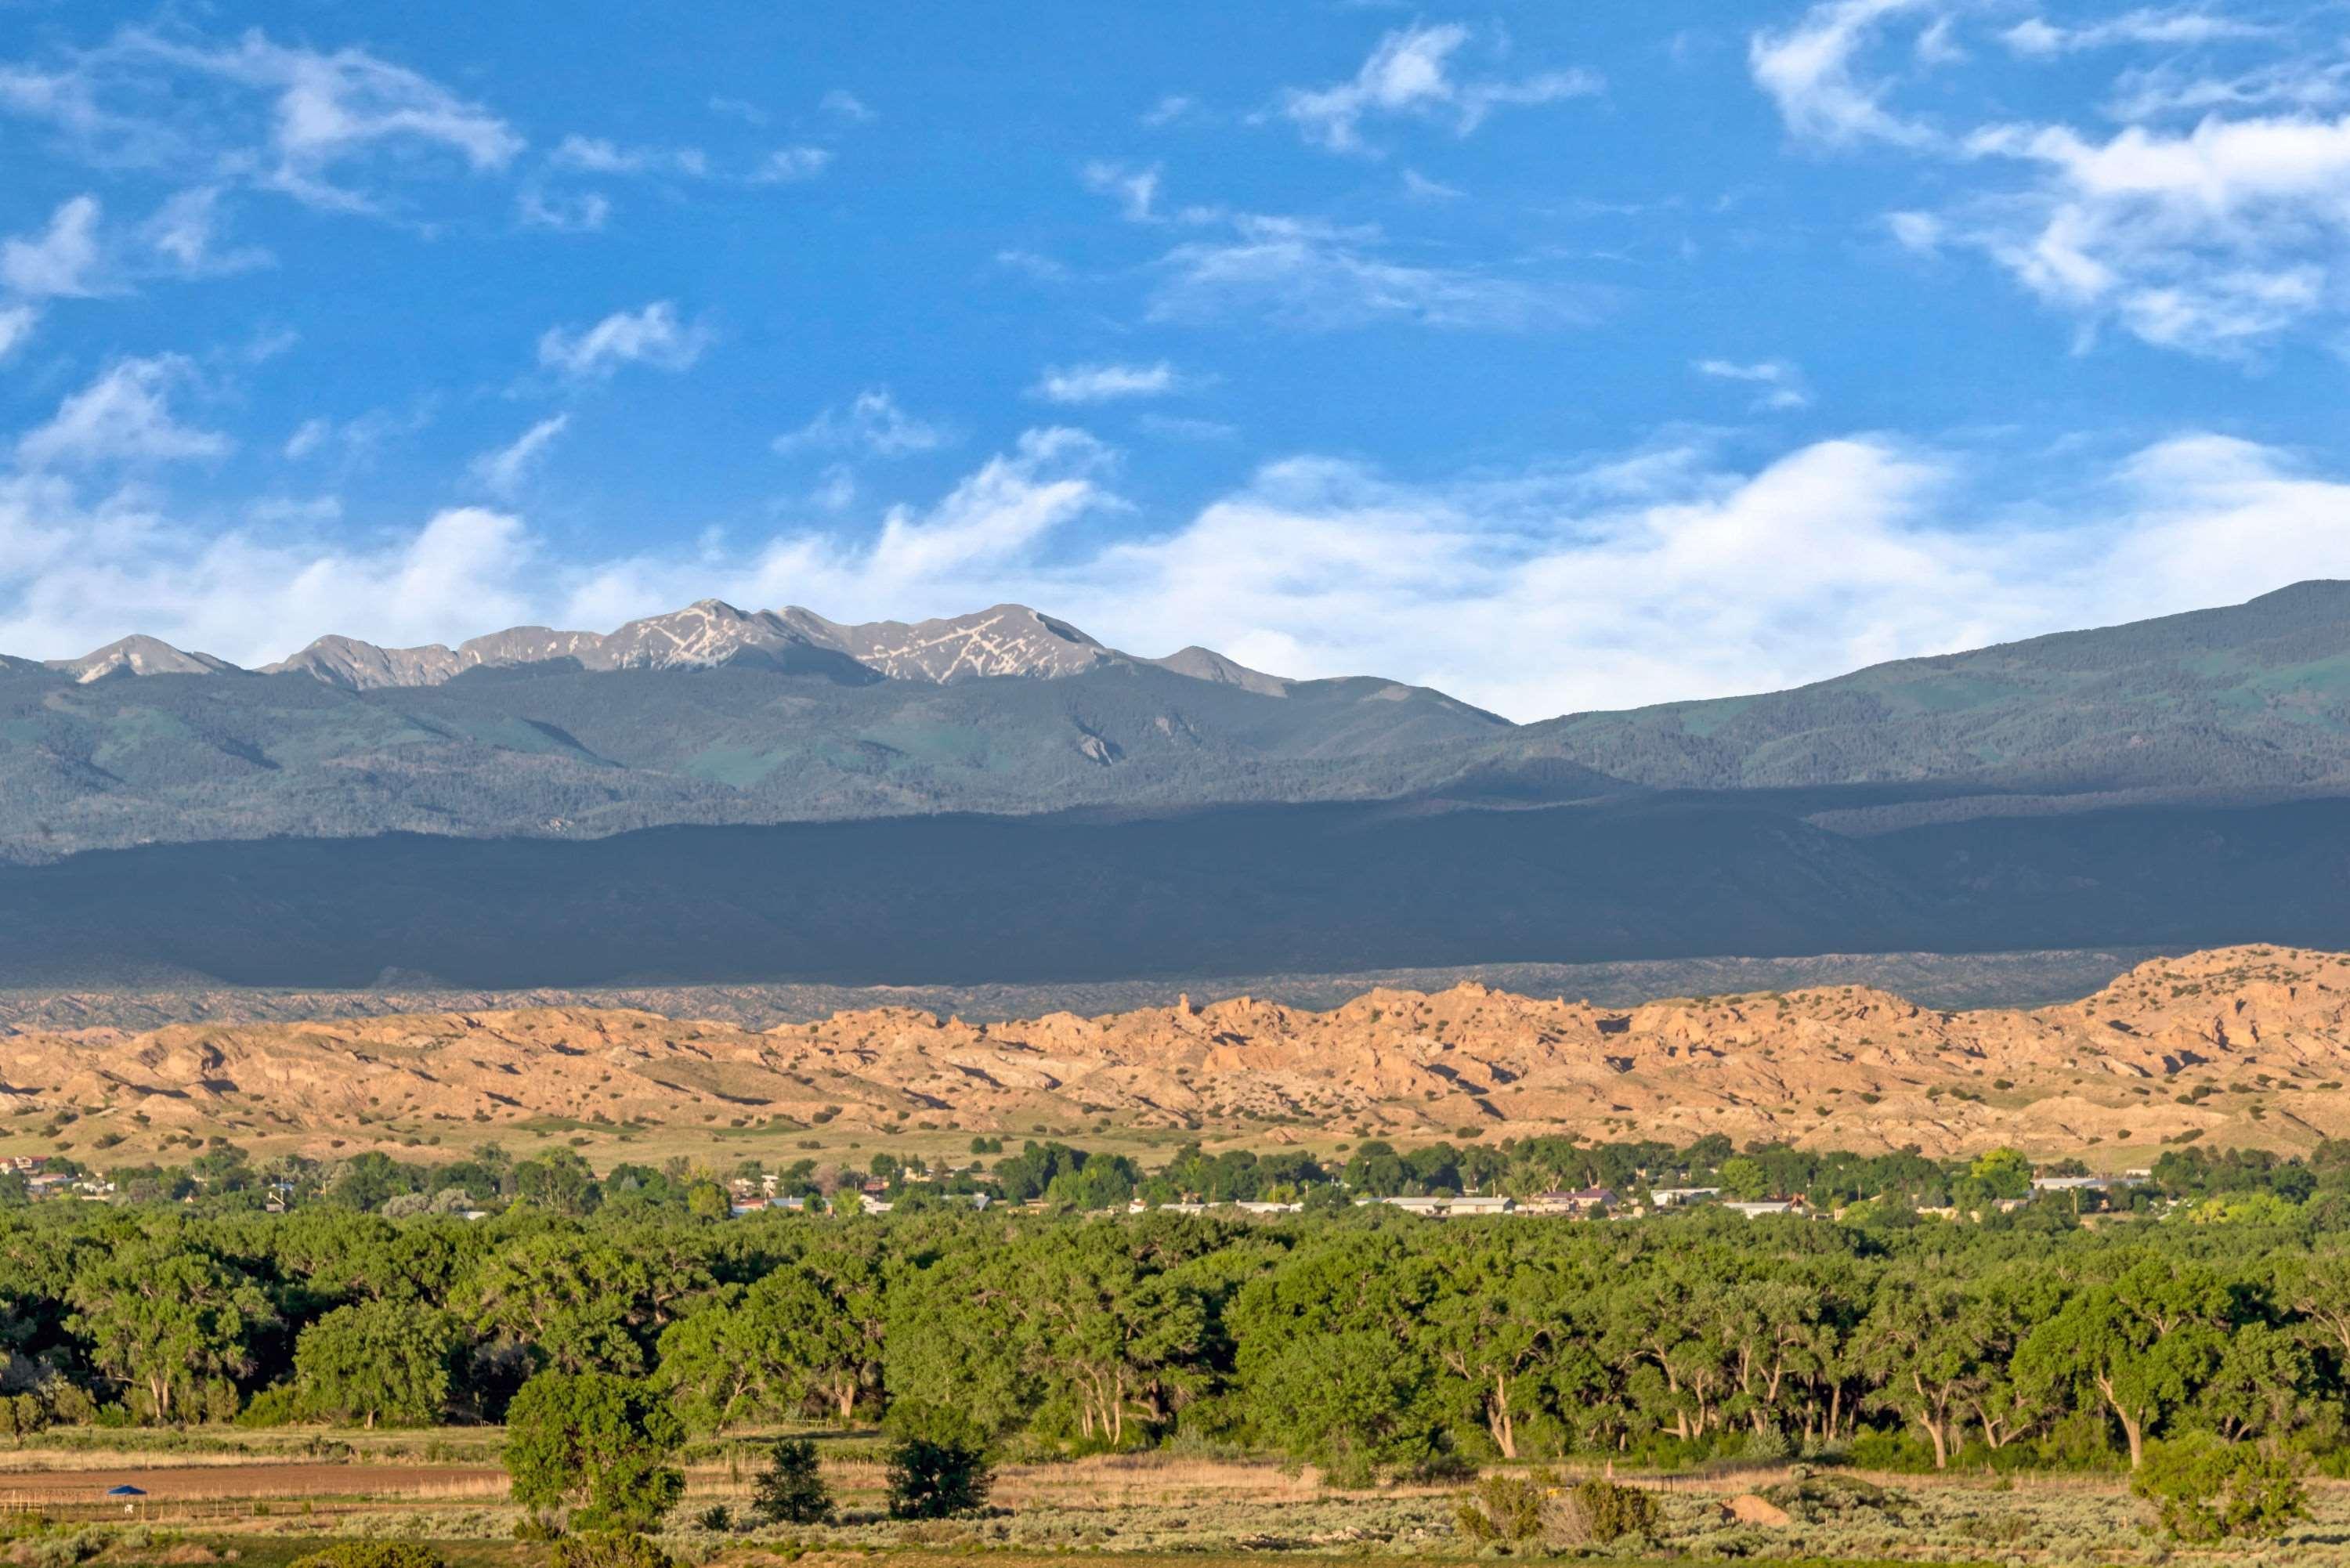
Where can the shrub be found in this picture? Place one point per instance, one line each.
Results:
(717, 1517)
(1811, 1499)
(2208, 1489)
(373, 1554)
(1598, 1512)
(790, 1491)
(608, 1549)
(933, 1478)
(1503, 1507)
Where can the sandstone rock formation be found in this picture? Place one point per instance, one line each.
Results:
(2246, 1045)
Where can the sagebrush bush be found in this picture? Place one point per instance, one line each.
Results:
(373, 1554)
(608, 1549)
(1598, 1512)
(1504, 1507)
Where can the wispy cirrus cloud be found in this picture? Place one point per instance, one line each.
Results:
(655, 337)
(1778, 384)
(1073, 384)
(1412, 73)
(323, 127)
(871, 424)
(17, 325)
(600, 155)
(125, 416)
(1317, 276)
(502, 471)
(2038, 37)
(2216, 237)
(1811, 70)
(789, 165)
(61, 260)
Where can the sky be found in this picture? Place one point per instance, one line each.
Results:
(1561, 354)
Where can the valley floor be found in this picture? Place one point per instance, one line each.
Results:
(261, 1507)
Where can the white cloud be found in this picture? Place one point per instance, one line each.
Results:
(2299, 83)
(1317, 277)
(1781, 384)
(60, 261)
(743, 109)
(1559, 587)
(75, 576)
(2214, 238)
(307, 438)
(329, 108)
(2037, 37)
(1410, 72)
(787, 165)
(872, 423)
(845, 106)
(1105, 383)
(597, 155)
(286, 117)
(1420, 188)
(1178, 427)
(185, 228)
(653, 336)
(982, 538)
(582, 214)
(1808, 70)
(1172, 107)
(503, 470)
(124, 416)
(2210, 240)
(17, 324)
(1137, 189)
(1043, 268)
(354, 443)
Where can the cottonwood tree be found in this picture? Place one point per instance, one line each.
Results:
(1919, 1344)
(2141, 1345)
(384, 1361)
(165, 1321)
(596, 1444)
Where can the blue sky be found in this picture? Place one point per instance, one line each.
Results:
(1561, 355)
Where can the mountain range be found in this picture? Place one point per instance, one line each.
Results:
(1005, 640)
(721, 794)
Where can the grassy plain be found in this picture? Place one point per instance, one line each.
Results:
(263, 1499)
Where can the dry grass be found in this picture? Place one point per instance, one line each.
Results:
(1142, 1507)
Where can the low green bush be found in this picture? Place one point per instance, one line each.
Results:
(2207, 1489)
(373, 1554)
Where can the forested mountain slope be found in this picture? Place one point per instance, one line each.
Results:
(551, 750)
(954, 899)
(2254, 696)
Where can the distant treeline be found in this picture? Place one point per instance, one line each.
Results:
(1354, 1336)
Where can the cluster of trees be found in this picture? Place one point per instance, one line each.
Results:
(1363, 1338)
(222, 1177)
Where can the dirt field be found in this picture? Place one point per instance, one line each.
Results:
(186, 1482)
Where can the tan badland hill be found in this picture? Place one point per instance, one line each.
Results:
(2243, 1045)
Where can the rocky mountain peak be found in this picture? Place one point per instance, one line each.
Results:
(140, 656)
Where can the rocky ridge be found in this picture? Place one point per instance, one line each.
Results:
(1003, 640)
(2245, 1045)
